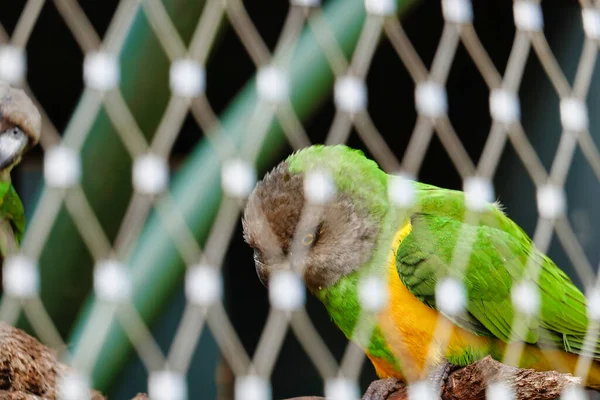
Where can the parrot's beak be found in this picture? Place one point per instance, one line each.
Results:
(12, 143)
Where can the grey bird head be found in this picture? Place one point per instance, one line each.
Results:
(324, 242)
(20, 126)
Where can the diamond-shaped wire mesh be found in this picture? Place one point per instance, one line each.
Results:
(115, 285)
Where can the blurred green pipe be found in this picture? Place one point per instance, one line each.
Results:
(155, 263)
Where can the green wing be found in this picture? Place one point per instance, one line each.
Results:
(11, 212)
(12, 209)
(496, 259)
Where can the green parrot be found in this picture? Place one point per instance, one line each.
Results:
(20, 129)
(359, 232)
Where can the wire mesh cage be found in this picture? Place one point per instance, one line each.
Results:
(158, 119)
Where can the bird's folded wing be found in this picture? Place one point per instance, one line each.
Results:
(489, 261)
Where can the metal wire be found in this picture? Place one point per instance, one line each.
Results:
(375, 29)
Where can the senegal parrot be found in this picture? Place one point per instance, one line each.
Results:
(20, 128)
(359, 231)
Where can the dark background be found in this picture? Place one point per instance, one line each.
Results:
(55, 76)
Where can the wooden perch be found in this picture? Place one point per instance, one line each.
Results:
(28, 369)
(470, 383)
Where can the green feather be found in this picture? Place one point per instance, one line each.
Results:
(343, 306)
(354, 175)
(12, 209)
(497, 259)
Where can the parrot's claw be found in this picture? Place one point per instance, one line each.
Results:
(438, 376)
(382, 388)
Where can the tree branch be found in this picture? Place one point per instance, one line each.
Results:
(470, 383)
(28, 369)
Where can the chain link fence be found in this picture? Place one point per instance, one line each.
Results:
(279, 95)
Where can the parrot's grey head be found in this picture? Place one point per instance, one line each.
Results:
(324, 242)
(20, 126)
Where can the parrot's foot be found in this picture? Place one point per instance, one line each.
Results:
(382, 388)
(438, 375)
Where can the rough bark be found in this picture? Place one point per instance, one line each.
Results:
(470, 383)
(28, 369)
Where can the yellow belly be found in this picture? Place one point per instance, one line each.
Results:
(409, 326)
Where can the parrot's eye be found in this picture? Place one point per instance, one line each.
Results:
(311, 238)
(308, 239)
